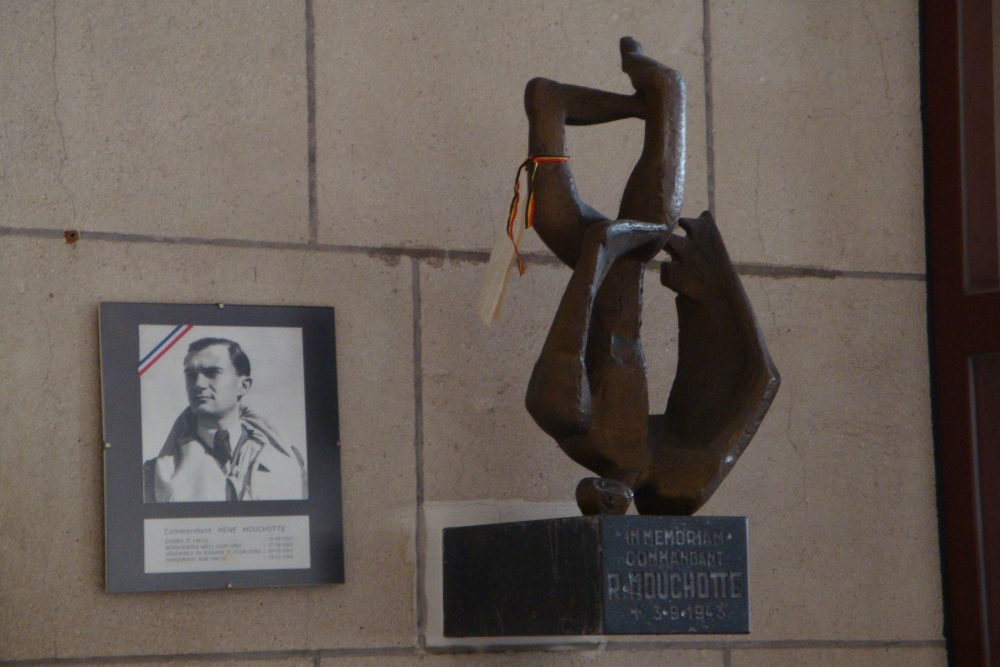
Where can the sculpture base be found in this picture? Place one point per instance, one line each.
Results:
(597, 575)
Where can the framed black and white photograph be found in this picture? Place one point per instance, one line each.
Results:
(222, 452)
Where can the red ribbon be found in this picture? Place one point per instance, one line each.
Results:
(531, 165)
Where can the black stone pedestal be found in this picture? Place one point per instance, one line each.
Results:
(598, 575)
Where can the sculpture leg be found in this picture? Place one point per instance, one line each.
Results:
(561, 218)
(559, 396)
(588, 387)
(655, 188)
(616, 363)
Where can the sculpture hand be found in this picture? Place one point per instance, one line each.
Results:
(700, 268)
(725, 379)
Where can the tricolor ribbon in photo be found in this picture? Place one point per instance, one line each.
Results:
(163, 347)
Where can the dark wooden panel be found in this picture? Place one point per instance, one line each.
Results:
(982, 251)
(986, 399)
(960, 175)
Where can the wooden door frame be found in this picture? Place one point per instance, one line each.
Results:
(957, 101)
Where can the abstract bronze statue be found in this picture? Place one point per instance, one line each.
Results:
(588, 388)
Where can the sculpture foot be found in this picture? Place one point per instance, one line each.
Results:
(648, 76)
(603, 496)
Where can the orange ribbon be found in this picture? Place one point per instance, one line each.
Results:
(531, 166)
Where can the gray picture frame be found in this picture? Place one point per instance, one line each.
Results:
(126, 513)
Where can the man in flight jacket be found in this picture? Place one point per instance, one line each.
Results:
(219, 449)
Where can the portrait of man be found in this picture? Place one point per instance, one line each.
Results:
(219, 448)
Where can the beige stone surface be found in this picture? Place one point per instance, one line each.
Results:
(479, 441)
(562, 658)
(31, 147)
(848, 657)
(817, 133)
(420, 120)
(839, 483)
(306, 661)
(174, 118)
(52, 601)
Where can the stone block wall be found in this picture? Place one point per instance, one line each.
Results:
(360, 155)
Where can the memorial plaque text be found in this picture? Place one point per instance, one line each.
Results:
(675, 575)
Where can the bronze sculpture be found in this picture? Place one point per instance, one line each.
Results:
(588, 388)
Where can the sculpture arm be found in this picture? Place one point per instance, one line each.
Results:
(725, 379)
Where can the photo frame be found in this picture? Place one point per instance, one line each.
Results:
(222, 446)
